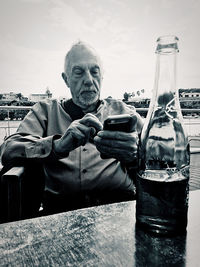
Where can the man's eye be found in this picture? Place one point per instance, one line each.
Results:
(95, 72)
(78, 72)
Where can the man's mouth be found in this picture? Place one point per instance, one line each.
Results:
(88, 92)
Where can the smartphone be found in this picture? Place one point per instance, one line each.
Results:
(120, 122)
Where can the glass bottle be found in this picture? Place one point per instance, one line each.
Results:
(162, 180)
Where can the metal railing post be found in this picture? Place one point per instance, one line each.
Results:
(8, 113)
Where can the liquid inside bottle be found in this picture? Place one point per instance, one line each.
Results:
(162, 182)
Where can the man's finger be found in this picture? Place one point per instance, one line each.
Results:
(111, 143)
(91, 121)
(118, 135)
(120, 154)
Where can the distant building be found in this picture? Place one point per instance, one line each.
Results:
(139, 102)
(190, 94)
(9, 96)
(39, 97)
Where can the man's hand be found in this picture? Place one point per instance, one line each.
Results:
(118, 144)
(78, 133)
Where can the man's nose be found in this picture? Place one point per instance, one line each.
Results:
(88, 79)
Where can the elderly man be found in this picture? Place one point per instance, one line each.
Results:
(69, 140)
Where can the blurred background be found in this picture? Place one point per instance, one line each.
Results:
(35, 35)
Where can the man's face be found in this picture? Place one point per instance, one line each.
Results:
(84, 77)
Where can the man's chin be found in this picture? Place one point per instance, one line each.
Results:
(89, 99)
(88, 103)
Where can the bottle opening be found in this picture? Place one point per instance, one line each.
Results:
(167, 44)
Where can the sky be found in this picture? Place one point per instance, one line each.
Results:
(36, 34)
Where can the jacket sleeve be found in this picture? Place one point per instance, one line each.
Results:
(30, 140)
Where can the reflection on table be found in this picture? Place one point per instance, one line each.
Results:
(98, 236)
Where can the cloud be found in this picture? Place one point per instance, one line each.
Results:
(32, 1)
(28, 69)
(65, 16)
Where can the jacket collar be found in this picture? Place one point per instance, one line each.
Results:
(74, 111)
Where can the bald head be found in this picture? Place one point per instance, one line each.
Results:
(81, 50)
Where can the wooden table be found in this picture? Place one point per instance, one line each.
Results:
(98, 236)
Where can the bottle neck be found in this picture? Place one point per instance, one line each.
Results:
(165, 78)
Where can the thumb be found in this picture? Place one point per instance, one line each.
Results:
(93, 131)
(133, 123)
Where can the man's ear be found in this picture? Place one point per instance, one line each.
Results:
(64, 76)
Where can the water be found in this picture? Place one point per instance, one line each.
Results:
(161, 207)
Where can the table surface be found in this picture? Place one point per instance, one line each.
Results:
(99, 236)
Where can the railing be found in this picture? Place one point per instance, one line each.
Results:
(7, 129)
(9, 126)
(184, 110)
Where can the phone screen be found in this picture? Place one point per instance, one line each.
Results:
(118, 123)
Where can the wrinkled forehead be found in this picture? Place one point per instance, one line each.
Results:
(82, 56)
